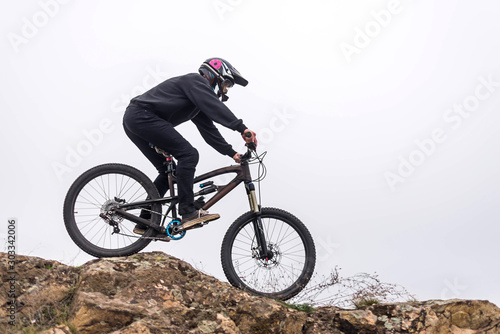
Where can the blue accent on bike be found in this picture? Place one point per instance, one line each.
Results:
(178, 236)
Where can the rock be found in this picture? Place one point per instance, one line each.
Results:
(44, 291)
(155, 293)
(137, 327)
(62, 329)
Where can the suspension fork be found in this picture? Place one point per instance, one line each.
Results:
(257, 221)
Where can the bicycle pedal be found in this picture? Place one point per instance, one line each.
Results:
(195, 222)
(193, 226)
(199, 225)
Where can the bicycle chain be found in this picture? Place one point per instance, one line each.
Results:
(140, 237)
(152, 238)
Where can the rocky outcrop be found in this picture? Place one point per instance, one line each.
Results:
(156, 293)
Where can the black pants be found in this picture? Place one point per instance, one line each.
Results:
(144, 127)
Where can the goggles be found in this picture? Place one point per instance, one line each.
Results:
(226, 83)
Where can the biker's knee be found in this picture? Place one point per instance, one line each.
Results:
(192, 156)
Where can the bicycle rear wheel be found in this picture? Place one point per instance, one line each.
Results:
(286, 272)
(95, 192)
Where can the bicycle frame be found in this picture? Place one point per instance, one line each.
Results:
(242, 175)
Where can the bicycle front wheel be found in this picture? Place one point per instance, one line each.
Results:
(291, 264)
(94, 193)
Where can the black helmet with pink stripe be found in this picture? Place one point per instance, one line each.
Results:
(221, 72)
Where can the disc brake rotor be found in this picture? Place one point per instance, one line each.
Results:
(269, 263)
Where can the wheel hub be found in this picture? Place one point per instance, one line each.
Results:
(106, 208)
(272, 260)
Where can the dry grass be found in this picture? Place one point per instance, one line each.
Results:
(350, 292)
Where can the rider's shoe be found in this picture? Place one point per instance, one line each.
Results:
(200, 216)
(140, 229)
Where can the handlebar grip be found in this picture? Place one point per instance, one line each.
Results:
(251, 146)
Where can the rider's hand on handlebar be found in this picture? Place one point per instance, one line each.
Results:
(249, 137)
(237, 158)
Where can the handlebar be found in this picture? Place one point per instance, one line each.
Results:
(245, 157)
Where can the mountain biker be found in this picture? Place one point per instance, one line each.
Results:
(151, 118)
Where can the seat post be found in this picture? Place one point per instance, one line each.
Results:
(169, 163)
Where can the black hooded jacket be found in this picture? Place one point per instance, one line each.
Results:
(190, 97)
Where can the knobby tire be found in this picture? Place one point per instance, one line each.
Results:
(84, 202)
(281, 277)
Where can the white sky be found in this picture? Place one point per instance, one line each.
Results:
(334, 123)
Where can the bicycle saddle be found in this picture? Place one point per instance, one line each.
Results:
(159, 150)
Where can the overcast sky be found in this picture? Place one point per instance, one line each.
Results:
(380, 119)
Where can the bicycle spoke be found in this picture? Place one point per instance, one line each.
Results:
(136, 198)
(126, 191)
(101, 185)
(98, 192)
(96, 204)
(122, 186)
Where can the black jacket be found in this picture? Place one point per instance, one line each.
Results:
(190, 97)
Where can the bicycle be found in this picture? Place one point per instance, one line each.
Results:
(266, 251)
